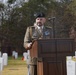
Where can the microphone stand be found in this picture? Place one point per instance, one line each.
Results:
(53, 25)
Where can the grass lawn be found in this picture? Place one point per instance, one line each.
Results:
(15, 67)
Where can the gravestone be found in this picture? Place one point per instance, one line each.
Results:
(25, 54)
(75, 53)
(13, 54)
(5, 59)
(0, 53)
(71, 65)
(1, 63)
(16, 55)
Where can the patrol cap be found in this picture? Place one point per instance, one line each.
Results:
(39, 14)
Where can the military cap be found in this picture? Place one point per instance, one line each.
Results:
(39, 14)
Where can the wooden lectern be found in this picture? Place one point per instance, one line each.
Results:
(51, 54)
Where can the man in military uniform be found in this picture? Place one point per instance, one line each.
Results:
(37, 31)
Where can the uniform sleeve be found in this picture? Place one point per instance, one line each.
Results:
(27, 37)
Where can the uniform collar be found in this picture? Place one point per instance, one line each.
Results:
(40, 27)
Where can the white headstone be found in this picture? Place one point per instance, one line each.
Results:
(69, 57)
(70, 66)
(1, 63)
(0, 53)
(13, 53)
(75, 53)
(16, 55)
(5, 58)
(25, 55)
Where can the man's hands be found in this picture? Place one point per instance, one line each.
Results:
(29, 45)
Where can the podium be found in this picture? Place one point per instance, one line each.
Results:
(51, 54)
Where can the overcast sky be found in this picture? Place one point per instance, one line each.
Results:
(4, 1)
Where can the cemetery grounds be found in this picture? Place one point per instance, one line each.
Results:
(15, 67)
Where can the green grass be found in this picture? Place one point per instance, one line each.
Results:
(19, 61)
(15, 67)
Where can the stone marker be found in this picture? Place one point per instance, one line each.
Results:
(0, 53)
(16, 55)
(71, 65)
(5, 59)
(25, 55)
(13, 54)
(1, 63)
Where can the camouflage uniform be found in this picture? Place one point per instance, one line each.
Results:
(32, 33)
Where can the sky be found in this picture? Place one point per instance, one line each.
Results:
(4, 1)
